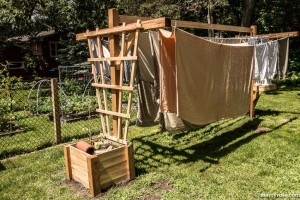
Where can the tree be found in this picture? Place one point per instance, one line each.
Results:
(247, 12)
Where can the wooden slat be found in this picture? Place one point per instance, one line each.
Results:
(78, 164)
(95, 76)
(264, 88)
(68, 162)
(107, 112)
(113, 176)
(110, 167)
(94, 175)
(130, 161)
(113, 21)
(145, 25)
(113, 160)
(113, 58)
(283, 34)
(115, 87)
(81, 178)
(121, 141)
(113, 182)
(107, 124)
(113, 153)
(189, 24)
(78, 153)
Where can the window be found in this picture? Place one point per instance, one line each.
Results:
(53, 49)
(15, 65)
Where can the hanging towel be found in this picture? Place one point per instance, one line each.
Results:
(273, 59)
(213, 80)
(147, 80)
(167, 72)
(145, 58)
(266, 59)
(283, 48)
(261, 61)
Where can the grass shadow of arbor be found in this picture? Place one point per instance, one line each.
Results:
(151, 153)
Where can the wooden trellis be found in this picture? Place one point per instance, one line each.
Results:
(112, 116)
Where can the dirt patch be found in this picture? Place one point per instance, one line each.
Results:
(85, 193)
(76, 187)
(158, 187)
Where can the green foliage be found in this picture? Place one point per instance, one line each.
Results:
(78, 104)
(6, 102)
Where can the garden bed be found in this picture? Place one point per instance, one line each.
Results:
(12, 130)
(102, 169)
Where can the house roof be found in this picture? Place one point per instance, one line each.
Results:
(25, 38)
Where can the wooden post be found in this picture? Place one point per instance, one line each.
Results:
(68, 162)
(113, 20)
(253, 93)
(56, 110)
(93, 175)
(254, 30)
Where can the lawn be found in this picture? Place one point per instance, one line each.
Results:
(230, 159)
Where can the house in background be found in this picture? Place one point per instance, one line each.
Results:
(45, 46)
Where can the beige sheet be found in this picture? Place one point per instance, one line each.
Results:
(213, 80)
(167, 72)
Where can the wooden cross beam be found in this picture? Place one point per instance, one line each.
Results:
(145, 25)
(189, 24)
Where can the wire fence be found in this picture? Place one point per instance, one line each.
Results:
(26, 115)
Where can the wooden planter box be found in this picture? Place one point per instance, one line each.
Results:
(97, 172)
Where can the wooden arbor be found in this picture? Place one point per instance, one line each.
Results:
(102, 170)
(128, 34)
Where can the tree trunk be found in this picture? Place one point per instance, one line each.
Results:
(210, 19)
(247, 12)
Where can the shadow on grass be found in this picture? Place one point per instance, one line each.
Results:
(151, 154)
(22, 149)
(269, 112)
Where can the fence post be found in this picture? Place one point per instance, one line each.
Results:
(56, 110)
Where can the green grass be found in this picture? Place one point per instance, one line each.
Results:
(230, 159)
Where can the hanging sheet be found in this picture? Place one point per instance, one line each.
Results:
(283, 47)
(147, 80)
(213, 80)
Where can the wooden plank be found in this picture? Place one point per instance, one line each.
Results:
(251, 112)
(95, 76)
(68, 162)
(145, 25)
(78, 164)
(110, 167)
(115, 87)
(107, 184)
(112, 161)
(115, 139)
(113, 20)
(93, 175)
(264, 88)
(80, 177)
(78, 153)
(107, 123)
(279, 35)
(107, 177)
(113, 58)
(130, 161)
(132, 76)
(189, 24)
(113, 153)
(107, 112)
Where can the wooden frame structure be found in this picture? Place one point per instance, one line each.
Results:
(100, 171)
(97, 172)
